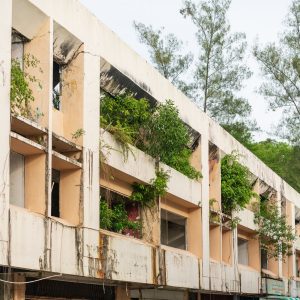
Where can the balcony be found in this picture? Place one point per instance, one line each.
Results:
(126, 259)
(182, 268)
(141, 167)
(247, 219)
(223, 278)
(250, 280)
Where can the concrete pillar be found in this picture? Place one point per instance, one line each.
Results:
(5, 64)
(91, 171)
(18, 289)
(205, 210)
(122, 293)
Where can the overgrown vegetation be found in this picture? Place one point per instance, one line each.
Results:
(276, 236)
(158, 131)
(236, 188)
(115, 218)
(146, 194)
(21, 95)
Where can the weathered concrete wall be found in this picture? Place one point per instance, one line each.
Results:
(126, 259)
(60, 247)
(182, 269)
(5, 62)
(250, 280)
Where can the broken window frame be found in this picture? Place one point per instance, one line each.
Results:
(165, 220)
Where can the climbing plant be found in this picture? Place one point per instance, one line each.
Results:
(124, 117)
(146, 194)
(236, 188)
(275, 235)
(115, 218)
(158, 131)
(167, 139)
(21, 95)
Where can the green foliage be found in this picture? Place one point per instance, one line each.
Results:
(242, 131)
(276, 236)
(126, 112)
(78, 133)
(124, 117)
(146, 194)
(236, 189)
(167, 138)
(116, 219)
(165, 54)
(220, 69)
(21, 95)
(281, 69)
(159, 131)
(282, 158)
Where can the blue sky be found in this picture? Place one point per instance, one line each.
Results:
(259, 19)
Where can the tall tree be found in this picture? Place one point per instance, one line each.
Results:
(283, 158)
(280, 65)
(165, 53)
(220, 68)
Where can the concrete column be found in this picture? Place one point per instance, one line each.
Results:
(19, 289)
(5, 64)
(205, 211)
(90, 214)
(122, 293)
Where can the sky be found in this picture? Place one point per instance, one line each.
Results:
(261, 20)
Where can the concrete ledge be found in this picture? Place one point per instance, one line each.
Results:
(247, 219)
(182, 269)
(141, 167)
(250, 280)
(125, 259)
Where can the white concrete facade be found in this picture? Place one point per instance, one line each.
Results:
(73, 247)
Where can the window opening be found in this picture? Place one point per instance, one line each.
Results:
(55, 212)
(264, 259)
(173, 230)
(17, 47)
(56, 88)
(243, 254)
(17, 175)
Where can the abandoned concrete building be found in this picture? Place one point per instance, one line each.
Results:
(53, 171)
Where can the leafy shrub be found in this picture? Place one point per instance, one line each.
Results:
(159, 131)
(236, 188)
(125, 113)
(115, 218)
(276, 236)
(21, 95)
(146, 194)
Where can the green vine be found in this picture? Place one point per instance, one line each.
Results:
(276, 236)
(236, 188)
(146, 194)
(115, 218)
(21, 95)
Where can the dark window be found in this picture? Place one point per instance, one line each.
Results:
(55, 193)
(243, 257)
(17, 47)
(68, 290)
(56, 88)
(173, 229)
(264, 259)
